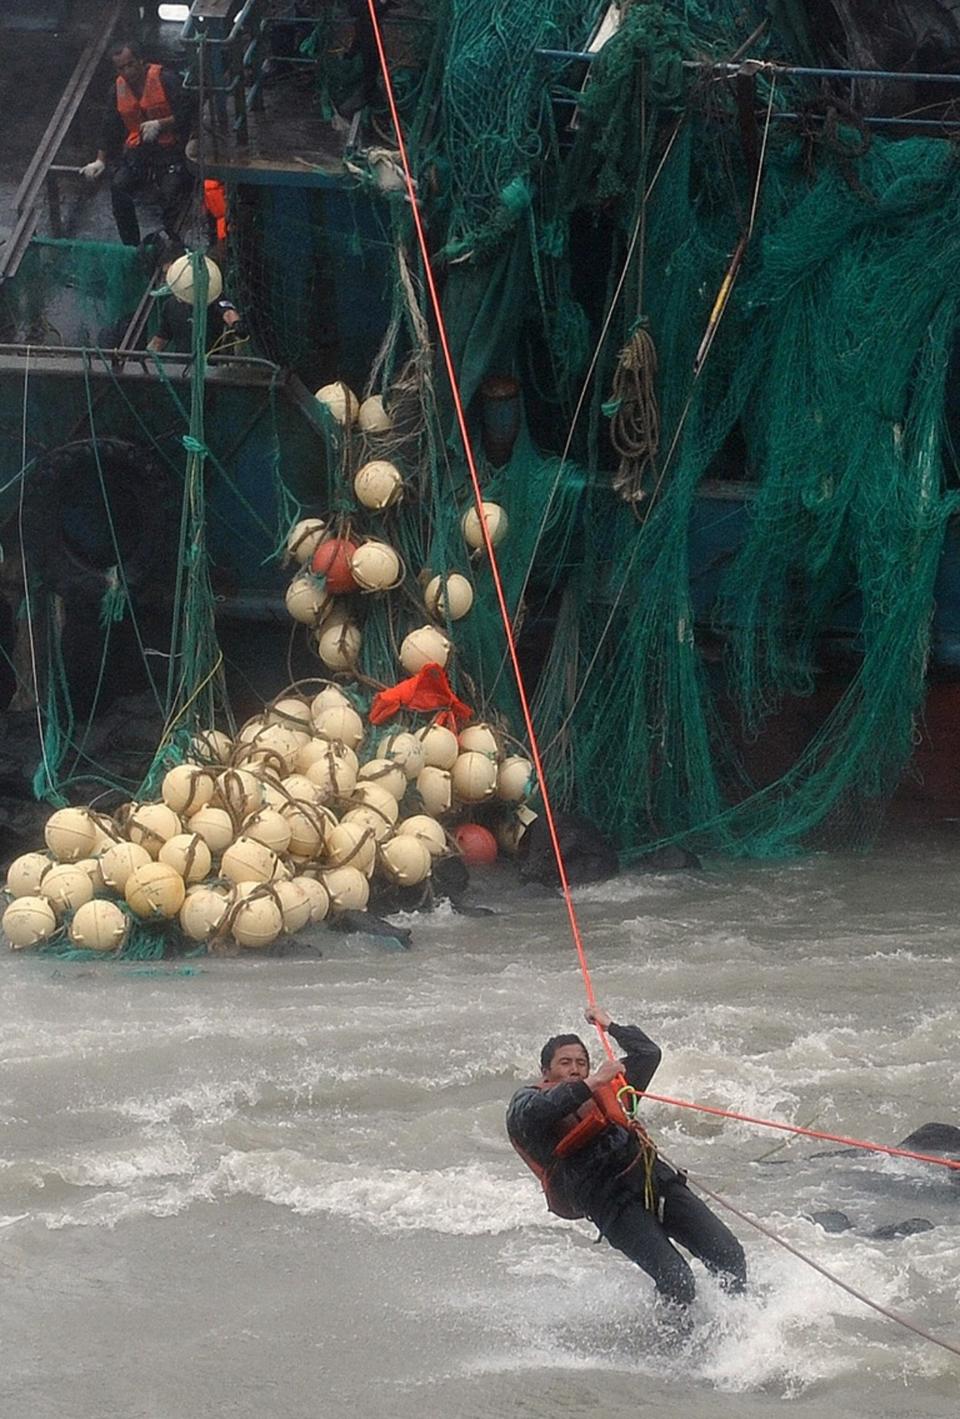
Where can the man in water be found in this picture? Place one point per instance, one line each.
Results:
(592, 1166)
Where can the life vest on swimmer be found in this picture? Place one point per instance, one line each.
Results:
(597, 1113)
(151, 103)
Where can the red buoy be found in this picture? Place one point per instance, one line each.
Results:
(331, 560)
(478, 846)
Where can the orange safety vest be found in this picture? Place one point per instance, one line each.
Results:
(215, 201)
(152, 103)
(602, 1109)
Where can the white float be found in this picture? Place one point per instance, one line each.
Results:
(27, 921)
(450, 596)
(155, 890)
(497, 525)
(340, 401)
(425, 646)
(99, 926)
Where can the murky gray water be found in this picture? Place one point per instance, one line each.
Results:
(274, 1188)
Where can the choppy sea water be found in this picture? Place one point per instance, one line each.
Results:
(280, 1187)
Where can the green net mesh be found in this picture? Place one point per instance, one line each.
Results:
(565, 215)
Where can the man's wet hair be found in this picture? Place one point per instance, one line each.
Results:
(554, 1043)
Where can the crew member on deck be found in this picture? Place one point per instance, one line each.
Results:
(593, 1162)
(145, 130)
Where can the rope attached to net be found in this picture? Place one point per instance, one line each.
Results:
(478, 499)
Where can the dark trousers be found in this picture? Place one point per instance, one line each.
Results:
(162, 168)
(641, 1236)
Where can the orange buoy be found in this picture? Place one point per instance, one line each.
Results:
(478, 846)
(331, 560)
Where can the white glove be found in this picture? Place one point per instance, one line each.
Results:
(150, 130)
(94, 170)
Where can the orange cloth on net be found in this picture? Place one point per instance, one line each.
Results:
(428, 690)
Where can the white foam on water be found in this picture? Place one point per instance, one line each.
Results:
(466, 1201)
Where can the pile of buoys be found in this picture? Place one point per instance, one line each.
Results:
(291, 820)
(294, 817)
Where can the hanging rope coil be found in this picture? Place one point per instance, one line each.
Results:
(635, 422)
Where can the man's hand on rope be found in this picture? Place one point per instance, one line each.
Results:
(605, 1073)
(596, 1015)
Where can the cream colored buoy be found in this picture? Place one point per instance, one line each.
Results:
(215, 826)
(270, 827)
(373, 418)
(99, 926)
(238, 791)
(187, 788)
(405, 750)
(312, 753)
(27, 921)
(180, 282)
(341, 724)
(66, 887)
(427, 830)
(474, 777)
(91, 866)
(378, 485)
(340, 400)
(387, 774)
(291, 714)
(425, 646)
(450, 596)
(211, 746)
(151, 825)
(330, 697)
(70, 833)
(118, 862)
(372, 795)
(306, 600)
(107, 832)
(155, 890)
(274, 747)
(304, 538)
(481, 739)
(347, 889)
(202, 913)
(188, 854)
(405, 860)
(298, 788)
(497, 525)
(435, 789)
(514, 779)
(376, 567)
(349, 844)
(309, 825)
(440, 746)
(369, 820)
(317, 895)
(295, 904)
(257, 921)
(26, 872)
(246, 860)
(338, 644)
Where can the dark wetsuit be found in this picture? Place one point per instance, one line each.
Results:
(599, 1182)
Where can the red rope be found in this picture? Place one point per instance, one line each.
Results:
(478, 499)
(804, 1132)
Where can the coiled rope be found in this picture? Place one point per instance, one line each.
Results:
(528, 719)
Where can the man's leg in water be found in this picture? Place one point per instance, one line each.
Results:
(689, 1221)
(636, 1232)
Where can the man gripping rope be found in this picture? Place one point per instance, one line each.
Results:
(145, 129)
(593, 1161)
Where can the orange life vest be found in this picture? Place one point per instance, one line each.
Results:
(215, 201)
(152, 103)
(602, 1109)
